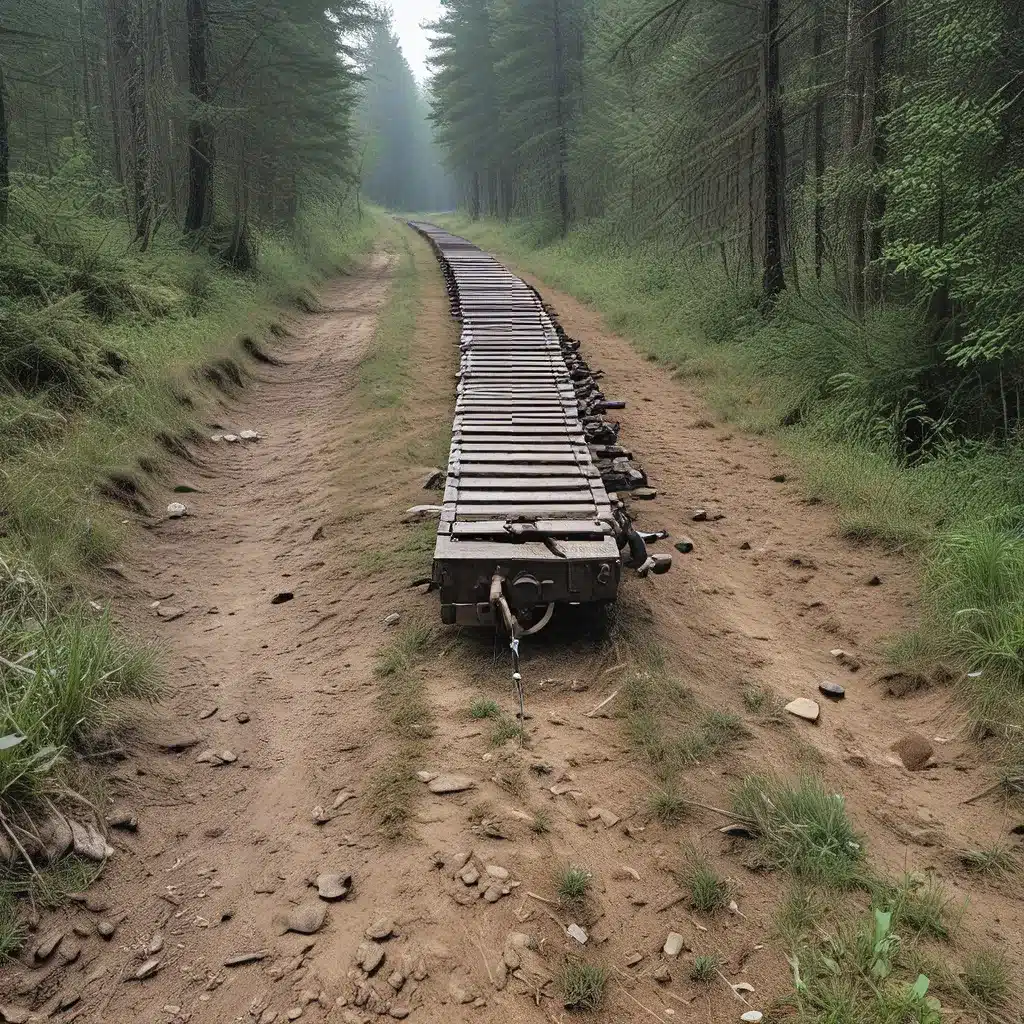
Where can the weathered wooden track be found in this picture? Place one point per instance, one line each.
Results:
(526, 519)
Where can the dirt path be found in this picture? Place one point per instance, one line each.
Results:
(289, 689)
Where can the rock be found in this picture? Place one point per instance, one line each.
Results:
(227, 757)
(779, 478)
(400, 1011)
(46, 946)
(242, 717)
(178, 743)
(396, 979)
(55, 837)
(874, 581)
(624, 871)
(88, 841)
(745, 546)
(844, 659)
(674, 944)
(633, 959)
(176, 510)
(469, 875)
(147, 969)
(420, 972)
(169, 612)
(914, 751)
(451, 784)
(644, 493)
(426, 776)
(107, 929)
(497, 872)
(734, 907)
(493, 893)
(123, 820)
(320, 816)
(804, 708)
(459, 994)
(606, 816)
(305, 919)
(370, 956)
(832, 690)
(14, 1014)
(574, 931)
(661, 973)
(240, 959)
(334, 886)
(268, 1017)
(434, 480)
(684, 545)
(155, 944)
(752, 1017)
(700, 515)
(230, 438)
(282, 597)
(342, 798)
(83, 930)
(382, 928)
(393, 619)
(294, 1013)
(249, 435)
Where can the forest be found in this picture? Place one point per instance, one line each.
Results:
(816, 207)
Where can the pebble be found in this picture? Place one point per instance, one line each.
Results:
(176, 510)
(393, 619)
(700, 515)
(47, 945)
(674, 944)
(156, 944)
(633, 959)
(832, 690)
(241, 959)
(396, 979)
(606, 816)
(282, 597)
(661, 973)
(684, 545)
(123, 820)
(89, 842)
(249, 435)
(804, 707)
(342, 798)
(914, 751)
(426, 776)
(450, 784)
(399, 1011)
(242, 717)
(370, 956)
(644, 493)
(574, 931)
(382, 928)
(14, 1014)
(470, 875)
(294, 1013)
(169, 612)
(493, 893)
(147, 969)
(752, 1017)
(844, 659)
(497, 872)
(736, 831)
(334, 886)
(458, 994)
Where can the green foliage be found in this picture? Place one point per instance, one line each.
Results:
(987, 977)
(484, 708)
(708, 890)
(803, 828)
(582, 985)
(572, 884)
(705, 968)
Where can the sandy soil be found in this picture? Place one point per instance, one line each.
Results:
(289, 689)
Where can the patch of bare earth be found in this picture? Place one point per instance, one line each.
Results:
(462, 901)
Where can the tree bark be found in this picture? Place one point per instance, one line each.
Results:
(5, 157)
(561, 119)
(774, 279)
(199, 209)
(86, 99)
(879, 153)
(819, 142)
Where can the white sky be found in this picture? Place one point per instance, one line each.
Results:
(409, 14)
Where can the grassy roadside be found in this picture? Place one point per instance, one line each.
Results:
(108, 359)
(811, 380)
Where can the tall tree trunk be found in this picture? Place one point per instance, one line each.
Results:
(774, 280)
(561, 121)
(5, 156)
(199, 209)
(474, 197)
(86, 99)
(819, 141)
(879, 153)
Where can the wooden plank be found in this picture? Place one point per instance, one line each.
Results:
(512, 509)
(543, 497)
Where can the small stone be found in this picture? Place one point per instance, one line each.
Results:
(320, 816)
(434, 479)
(700, 515)
(426, 776)
(83, 930)
(294, 1013)
(674, 944)
(745, 546)
(497, 872)
(734, 907)
(305, 919)
(249, 435)
(661, 973)
(227, 757)
(268, 1017)
(342, 798)
(479, 1003)
(684, 545)
(69, 952)
(55, 837)
(47, 945)
(804, 707)
(399, 1011)
(242, 717)
(459, 994)
(450, 784)
(624, 871)
(155, 944)
(396, 979)
(393, 619)
(493, 893)
(644, 493)
(779, 478)
(470, 875)
(147, 969)
(420, 973)
(574, 931)
(106, 929)
(230, 438)
(282, 597)
(334, 886)
(381, 929)
(172, 1009)
(14, 1014)
(176, 510)
(752, 1017)
(844, 659)
(169, 612)
(874, 581)
(832, 690)
(370, 956)
(633, 959)
(178, 743)
(914, 751)
(608, 819)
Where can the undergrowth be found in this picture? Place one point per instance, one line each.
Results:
(868, 409)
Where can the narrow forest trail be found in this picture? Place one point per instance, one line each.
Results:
(290, 689)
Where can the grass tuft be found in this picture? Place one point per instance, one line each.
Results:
(919, 905)
(401, 653)
(708, 890)
(390, 795)
(582, 985)
(505, 729)
(705, 968)
(540, 822)
(802, 827)
(987, 977)
(668, 806)
(997, 860)
(572, 884)
(481, 708)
